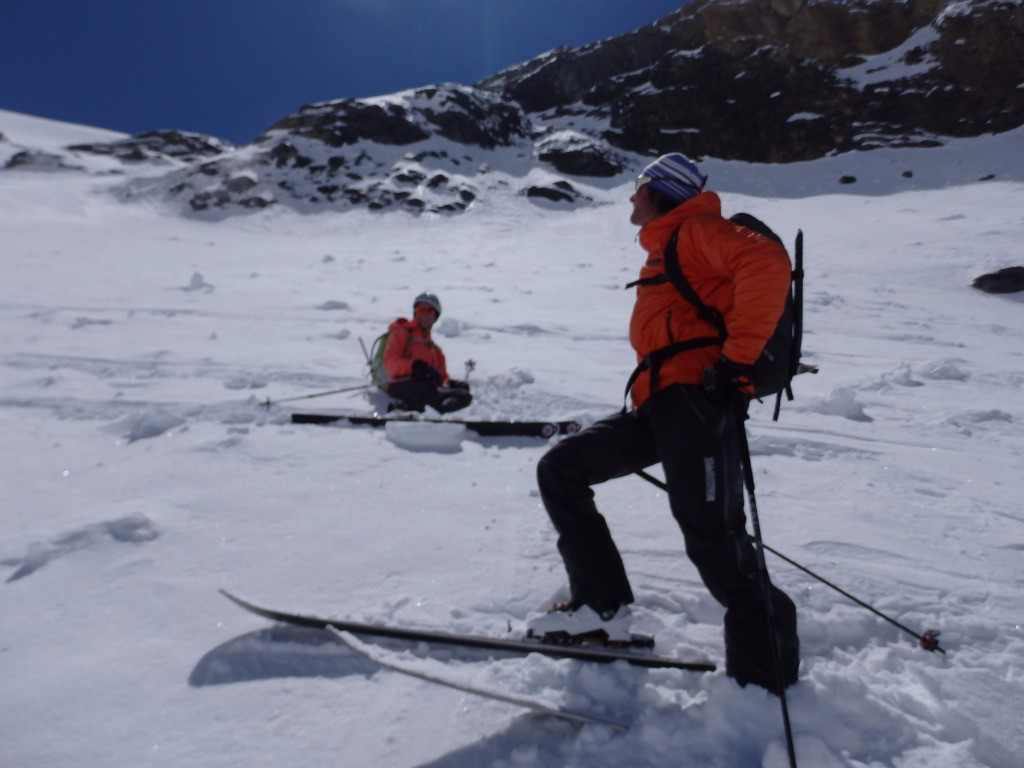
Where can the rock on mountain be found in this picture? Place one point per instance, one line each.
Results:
(785, 80)
(431, 149)
(156, 148)
(772, 81)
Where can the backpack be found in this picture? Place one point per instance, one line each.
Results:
(779, 362)
(375, 361)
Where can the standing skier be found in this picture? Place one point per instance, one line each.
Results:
(416, 366)
(687, 411)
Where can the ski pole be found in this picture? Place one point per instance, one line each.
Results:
(270, 402)
(748, 476)
(929, 640)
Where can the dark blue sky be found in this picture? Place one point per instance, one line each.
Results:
(231, 68)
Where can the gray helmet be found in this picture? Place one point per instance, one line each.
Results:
(430, 300)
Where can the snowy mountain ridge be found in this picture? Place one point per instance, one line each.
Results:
(779, 82)
(441, 175)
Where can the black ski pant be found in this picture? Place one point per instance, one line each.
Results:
(417, 394)
(697, 443)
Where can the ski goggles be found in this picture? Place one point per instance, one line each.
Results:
(425, 309)
(641, 180)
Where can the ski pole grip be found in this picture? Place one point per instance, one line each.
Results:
(930, 640)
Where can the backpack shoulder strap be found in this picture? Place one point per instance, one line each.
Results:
(676, 276)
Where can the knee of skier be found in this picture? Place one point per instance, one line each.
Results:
(553, 473)
(547, 472)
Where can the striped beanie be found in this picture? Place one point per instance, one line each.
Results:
(675, 176)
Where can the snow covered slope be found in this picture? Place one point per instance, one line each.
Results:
(139, 472)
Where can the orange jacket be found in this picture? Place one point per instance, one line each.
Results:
(742, 274)
(408, 342)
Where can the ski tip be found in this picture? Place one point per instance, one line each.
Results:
(233, 598)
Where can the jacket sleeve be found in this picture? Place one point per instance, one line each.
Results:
(398, 364)
(441, 364)
(759, 271)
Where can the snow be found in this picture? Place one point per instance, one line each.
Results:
(141, 471)
(892, 65)
(50, 134)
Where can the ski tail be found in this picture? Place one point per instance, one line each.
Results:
(364, 650)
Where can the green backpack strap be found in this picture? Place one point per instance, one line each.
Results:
(375, 361)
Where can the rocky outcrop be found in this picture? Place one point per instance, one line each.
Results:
(576, 154)
(1008, 280)
(784, 80)
(159, 145)
(420, 150)
(39, 160)
(459, 114)
(754, 80)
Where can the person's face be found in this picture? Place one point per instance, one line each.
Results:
(426, 315)
(644, 208)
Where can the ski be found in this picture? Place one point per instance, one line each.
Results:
(484, 428)
(520, 701)
(511, 645)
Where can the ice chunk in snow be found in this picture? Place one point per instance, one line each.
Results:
(426, 436)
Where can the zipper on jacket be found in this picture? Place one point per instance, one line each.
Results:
(668, 326)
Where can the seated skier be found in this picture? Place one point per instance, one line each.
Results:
(416, 366)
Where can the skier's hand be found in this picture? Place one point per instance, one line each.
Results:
(422, 370)
(723, 381)
(455, 384)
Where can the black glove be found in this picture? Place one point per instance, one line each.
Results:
(422, 370)
(453, 384)
(723, 380)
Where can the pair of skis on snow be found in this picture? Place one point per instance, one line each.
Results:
(482, 427)
(349, 632)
